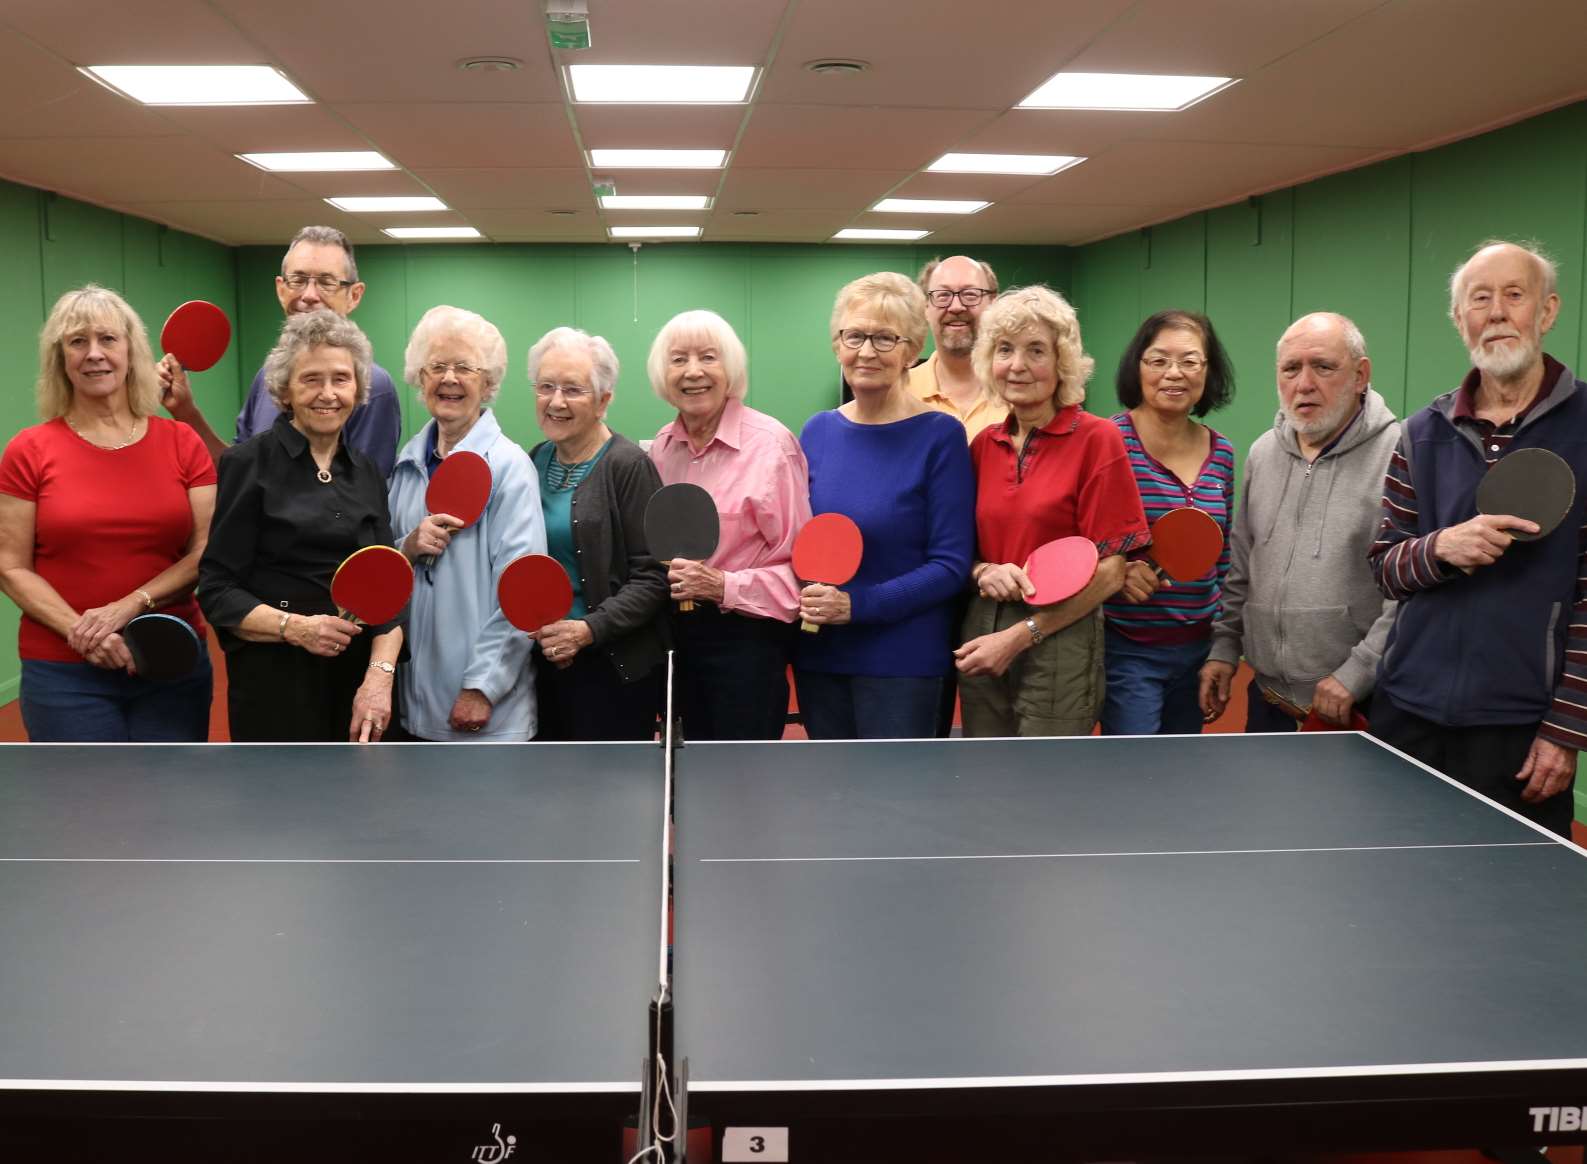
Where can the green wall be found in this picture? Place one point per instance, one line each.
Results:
(51, 245)
(1377, 244)
(778, 299)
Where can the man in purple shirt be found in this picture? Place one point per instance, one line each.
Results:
(319, 271)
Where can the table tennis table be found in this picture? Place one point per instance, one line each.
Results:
(957, 950)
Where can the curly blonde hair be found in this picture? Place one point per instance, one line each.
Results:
(1020, 309)
(76, 311)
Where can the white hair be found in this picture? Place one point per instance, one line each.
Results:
(481, 334)
(603, 360)
(704, 329)
(1547, 271)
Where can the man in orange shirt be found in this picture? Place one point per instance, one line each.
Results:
(957, 290)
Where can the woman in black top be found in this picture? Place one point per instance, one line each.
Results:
(292, 503)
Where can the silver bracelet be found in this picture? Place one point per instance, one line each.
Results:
(281, 630)
(1035, 631)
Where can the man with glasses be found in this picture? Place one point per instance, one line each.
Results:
(957, 290)
(318, 272)
(1300, 602)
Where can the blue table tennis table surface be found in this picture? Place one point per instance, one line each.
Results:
(956, 950)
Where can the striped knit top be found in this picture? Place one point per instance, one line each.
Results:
(1184, 611)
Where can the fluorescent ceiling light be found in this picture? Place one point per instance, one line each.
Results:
(654, 231)
(661, 84)
(432, 232)
(655, 202)
(658, 159)
(1123, 91)
(878, 235)
(199, 84)
(1033, 164)
(399, 205)
(321, 162)
(929, 206)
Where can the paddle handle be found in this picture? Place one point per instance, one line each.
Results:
(809, 628)
(684, 604)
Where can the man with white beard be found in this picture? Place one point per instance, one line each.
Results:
(957, 290)
(1485, 673)
(1300, 602)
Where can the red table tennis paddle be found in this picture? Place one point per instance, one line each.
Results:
(197, 334)
(163, 647)
(1311, 721)
(681, 522)
(372, 585)
(828, 549)
(459, 487)
(1531, 483)
(1186, 544)
(534, 591)
(1060, 569)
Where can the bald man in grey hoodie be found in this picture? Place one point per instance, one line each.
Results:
(1300, 601)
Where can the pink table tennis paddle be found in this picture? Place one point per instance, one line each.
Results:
(372, 585)
(1060, 569)
(828, 549)
(197, 334)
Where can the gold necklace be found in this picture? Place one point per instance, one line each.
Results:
(132, 435)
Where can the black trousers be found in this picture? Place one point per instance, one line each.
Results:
(731, 674)
(588, 700)
(1484, 758)
(279, 693)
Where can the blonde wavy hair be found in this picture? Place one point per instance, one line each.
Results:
(1020, 309)
(78, 311)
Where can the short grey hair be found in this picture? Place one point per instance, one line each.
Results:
(1547, 270)
(325, 236)
(1355, 342)
(603, 360)
(930, 269)
(305, 331)
(473, 329)
(706, 329)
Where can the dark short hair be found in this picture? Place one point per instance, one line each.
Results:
(1219, 386)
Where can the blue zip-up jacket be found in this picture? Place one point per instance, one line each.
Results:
(457, 635)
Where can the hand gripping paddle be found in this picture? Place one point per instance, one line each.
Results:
(1060, 569)
(197, 334)
(1531, 483)
(828, 549)
(1186, 544)
(534, 591)
(163, 647)
(459, 487)
(372, 585)
(681, 522)
(1311, 721)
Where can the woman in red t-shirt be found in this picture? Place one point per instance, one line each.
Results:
(104, 511)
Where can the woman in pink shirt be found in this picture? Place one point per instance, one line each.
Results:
(732, 674)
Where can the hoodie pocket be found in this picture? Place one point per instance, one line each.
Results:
(1305, 645)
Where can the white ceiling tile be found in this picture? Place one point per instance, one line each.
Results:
(848, 190)
(827, 137)
(676, 127)
(438, 135)
(116, 171)
(505, 189)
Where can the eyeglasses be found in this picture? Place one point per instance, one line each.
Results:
(969, 296)
(328, 284)
(882, 341)
(1189, 365)
(572, 393)
(462, 371)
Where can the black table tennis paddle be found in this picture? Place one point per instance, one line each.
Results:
(163, 647)
(1534, 484)
(681, 522)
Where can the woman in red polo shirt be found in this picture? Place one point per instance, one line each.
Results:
(1051, 470)
(104, 511)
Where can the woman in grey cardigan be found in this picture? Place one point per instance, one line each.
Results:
(600, 678)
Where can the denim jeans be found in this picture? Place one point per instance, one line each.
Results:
(1153, 688)
(81, 703)
(867, 707)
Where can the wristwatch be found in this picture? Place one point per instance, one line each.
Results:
(382, 665)
(1035, 631)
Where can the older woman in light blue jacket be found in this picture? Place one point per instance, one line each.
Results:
(469, 677)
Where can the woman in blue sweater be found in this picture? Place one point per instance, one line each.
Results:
(902, 472)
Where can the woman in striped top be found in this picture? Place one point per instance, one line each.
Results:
(1158, 633)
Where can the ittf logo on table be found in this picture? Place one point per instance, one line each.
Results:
(496, 1151)
(1558, 1119)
